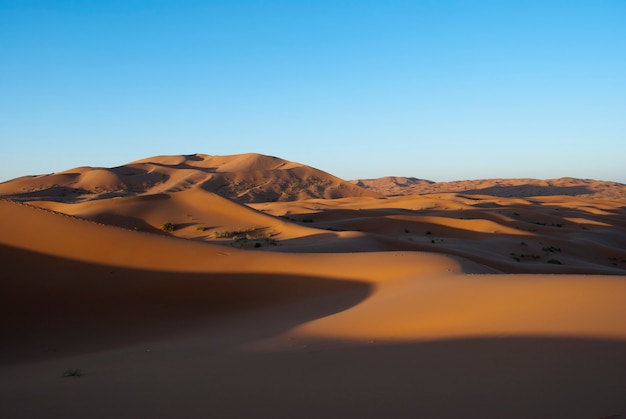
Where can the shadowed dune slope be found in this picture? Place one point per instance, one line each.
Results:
(56, 307)
(71, 285)
(393, 186)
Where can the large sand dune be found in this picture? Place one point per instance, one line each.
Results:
(243, 177)
(436, 306)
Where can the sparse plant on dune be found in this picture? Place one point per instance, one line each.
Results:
(242, 236)
(229, 234)
(551, 249)
(168, 226)
(73, 373)
(519, 257)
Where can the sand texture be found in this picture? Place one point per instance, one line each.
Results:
(269, 301)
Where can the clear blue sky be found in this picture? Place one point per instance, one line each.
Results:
(437, 89)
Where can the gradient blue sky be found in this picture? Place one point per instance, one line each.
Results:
(441, 90)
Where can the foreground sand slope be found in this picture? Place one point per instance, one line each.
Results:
(166, 327)
(61, 273)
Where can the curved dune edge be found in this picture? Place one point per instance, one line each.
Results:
(416, 296)
(38, 230)
(474, 306)
(72, 285)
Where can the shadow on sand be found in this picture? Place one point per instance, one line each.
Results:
(52, 307)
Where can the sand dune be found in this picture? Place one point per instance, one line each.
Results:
(394, 186)
(195, 214)
(512, 235)
(143, 315)
(243, 177)
(440, 305)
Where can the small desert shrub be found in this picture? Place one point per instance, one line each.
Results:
(201, 228)
(73, 373)
(551, 249)
(524, 256)
(240, 232)
(257, 244)
(555, 261)
(168, 226)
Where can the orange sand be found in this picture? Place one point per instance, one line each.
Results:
(349, 310)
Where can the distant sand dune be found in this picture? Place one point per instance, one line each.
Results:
(244, 177)
(394, 186)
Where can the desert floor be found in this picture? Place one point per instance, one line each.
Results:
(431, 306)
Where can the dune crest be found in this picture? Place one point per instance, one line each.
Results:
(243, 177)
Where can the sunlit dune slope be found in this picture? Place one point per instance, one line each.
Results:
(48, 232)
(195, 214)
(243, 177)
(446, 307)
